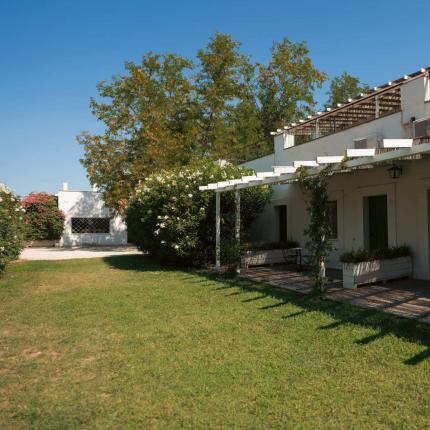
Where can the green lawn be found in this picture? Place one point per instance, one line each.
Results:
(120, 343)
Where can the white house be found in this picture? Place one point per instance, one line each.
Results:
(88, 221)
(379, 147)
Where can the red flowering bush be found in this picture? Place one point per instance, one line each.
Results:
(11, 227)
(43, 218)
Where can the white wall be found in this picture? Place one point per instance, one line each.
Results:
(406, 196)
(89, 204)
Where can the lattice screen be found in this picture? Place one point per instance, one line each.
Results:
(90, 225)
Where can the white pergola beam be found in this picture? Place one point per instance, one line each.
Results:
(330, 159)
(305, 163)
(284, 169)
(397, 143)
(362, 152)
(235, 181)
(266, 174)
(349, 165)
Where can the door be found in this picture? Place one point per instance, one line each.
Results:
(428, 228)
(376, 222)
(282, 217)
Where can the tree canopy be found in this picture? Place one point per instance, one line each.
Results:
(344, 87)
(166, 110)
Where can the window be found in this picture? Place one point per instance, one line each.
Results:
(90, 225)
(332, 216)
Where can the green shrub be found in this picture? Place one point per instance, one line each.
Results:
(170, 218)
(43, 219)
(11, 227)
(263, 246)
(361, 255)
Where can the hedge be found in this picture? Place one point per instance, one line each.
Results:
(11, 227)
(361, 255)
(171, 219)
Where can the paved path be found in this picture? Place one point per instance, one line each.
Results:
(407, 298)
(70, 253)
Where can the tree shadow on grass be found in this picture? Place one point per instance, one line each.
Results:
(344, 314)
(139, 263)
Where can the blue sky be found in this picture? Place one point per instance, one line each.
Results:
(54, 52)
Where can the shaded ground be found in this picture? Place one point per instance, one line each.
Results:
(53, 253)
(408, 298)
(124, 343)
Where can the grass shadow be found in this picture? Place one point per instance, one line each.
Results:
(344, 313)
(139, 263)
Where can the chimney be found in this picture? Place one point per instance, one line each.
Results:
(65, 186)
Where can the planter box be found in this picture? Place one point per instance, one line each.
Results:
(269, 256)
(355, 274)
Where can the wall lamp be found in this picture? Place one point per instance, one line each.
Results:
(395, 171)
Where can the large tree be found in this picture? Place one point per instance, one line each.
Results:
(286, 85)
(226, 91)
(150, 123)
(344, 87)
(166, 111)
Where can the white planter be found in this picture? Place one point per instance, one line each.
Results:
(378, 270)
(267, 257)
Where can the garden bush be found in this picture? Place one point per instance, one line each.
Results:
(170, 218)
(360, 255)
(11, 227)
(43, 219)
(264, 246)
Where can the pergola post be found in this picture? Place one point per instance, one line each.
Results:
(377, 112)
(217, 230)
(317, 129)
(237, 225)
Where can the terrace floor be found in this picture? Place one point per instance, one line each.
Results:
(409, 298)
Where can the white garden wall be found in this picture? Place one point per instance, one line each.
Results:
(89, 204)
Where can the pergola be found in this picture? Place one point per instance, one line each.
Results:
(375, 103)
(353, 159)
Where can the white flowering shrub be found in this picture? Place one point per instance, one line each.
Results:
(12, 227)
(171, 219)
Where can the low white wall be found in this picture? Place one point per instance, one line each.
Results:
(89, 204)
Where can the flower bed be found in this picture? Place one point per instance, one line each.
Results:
(44, 221)
(363, 267)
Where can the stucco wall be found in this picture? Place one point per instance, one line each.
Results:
(89, 204)
(408, 218)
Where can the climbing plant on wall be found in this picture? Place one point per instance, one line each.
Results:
(319, 230)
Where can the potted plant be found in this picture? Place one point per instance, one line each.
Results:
(266, 253)
(363, 267)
